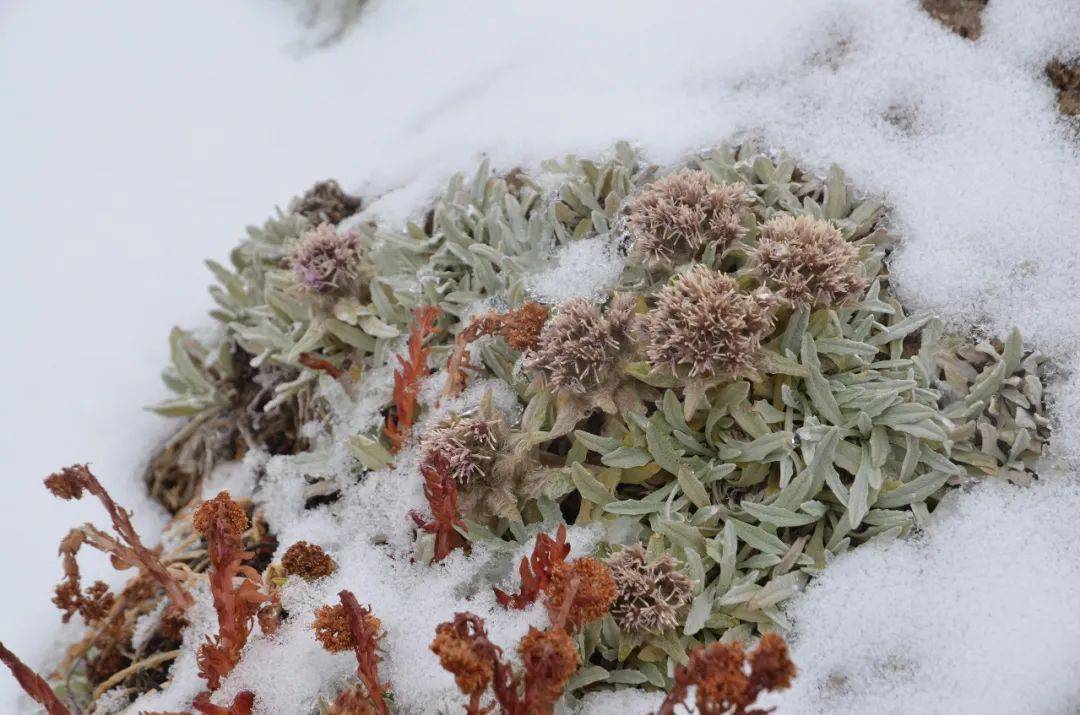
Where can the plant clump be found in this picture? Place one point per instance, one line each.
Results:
(728, 682)
(548, 659)
(746, 401)
(308, 561)
(326, 202)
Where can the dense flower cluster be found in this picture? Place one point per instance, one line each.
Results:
(308, 561)
(650, 593)
(673, 218)
(579, 591)
(807, 261)
(580, 347)
(324, 260)
(704, 322)
(464, 445)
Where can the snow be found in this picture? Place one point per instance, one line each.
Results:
(978, 615)
(587, 269)
(141, 140)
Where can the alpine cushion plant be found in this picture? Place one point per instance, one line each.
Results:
(744, 399)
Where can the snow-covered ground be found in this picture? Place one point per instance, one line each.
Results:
(140, 137)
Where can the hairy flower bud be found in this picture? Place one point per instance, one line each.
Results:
(464, 446)
(325, 261)
(675, 217)
(580, 347)
(807, 261)
(702, 320)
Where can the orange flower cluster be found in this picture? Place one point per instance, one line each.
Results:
(408, 376)
(125, 551)
(536, 570)
(579, 591)
(729, 683)
(548, 660)
(520, 328)
(350, 625)
(308, 561)
(235, 586)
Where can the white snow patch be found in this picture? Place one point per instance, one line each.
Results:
(584, 269)
(978, 615)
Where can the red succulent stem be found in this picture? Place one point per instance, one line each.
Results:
(34, 685)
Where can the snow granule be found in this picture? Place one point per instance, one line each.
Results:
(585, 269)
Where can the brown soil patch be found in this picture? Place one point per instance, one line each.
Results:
(964, 17)
(1066, 79)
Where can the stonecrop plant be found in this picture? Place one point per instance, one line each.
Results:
(745, 401)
